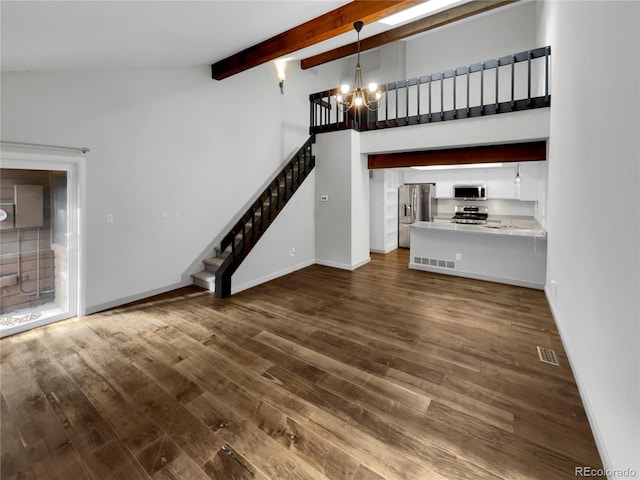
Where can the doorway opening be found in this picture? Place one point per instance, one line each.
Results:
(39, 261)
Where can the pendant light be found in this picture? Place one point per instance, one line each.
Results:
(358, 96)
(517, 180)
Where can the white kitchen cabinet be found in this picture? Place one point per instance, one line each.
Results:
(444, 180)
(500, 183)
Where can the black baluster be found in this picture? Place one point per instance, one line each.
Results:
(546, 76)
(261, 213)
(244, 239)
(418, 98)
(429, 97)
(406, 87)
(306, 162)
(513, 80)
(287, 184)
(396, 83)
(294, 176)
(468, 79)
(529, 78)
(386, 110)
(441, 95)
(497, 77)
(327, 115)
(253, 223)
(482, 88)
(233, 244)
(455, 83)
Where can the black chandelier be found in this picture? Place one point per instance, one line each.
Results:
(358, 96)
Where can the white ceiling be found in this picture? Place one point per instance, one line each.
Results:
(61, 35)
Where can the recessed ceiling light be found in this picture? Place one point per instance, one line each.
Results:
(421, 10)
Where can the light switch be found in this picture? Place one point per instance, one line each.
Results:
(165, 214)
(109, 217)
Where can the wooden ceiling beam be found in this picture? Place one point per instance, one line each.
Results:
(314, 31)
(512, 152)
(405, 31)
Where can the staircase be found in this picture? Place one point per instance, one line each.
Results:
(243, 236)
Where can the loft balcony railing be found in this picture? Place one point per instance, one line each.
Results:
(507, 84)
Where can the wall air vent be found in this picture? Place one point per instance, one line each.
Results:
(433, 262)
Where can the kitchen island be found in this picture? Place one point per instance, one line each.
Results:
(510, 250)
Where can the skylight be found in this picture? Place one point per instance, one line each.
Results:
(429, 7)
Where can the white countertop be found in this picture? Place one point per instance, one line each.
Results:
(512, 226)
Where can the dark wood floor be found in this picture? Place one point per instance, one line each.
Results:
(381, 373)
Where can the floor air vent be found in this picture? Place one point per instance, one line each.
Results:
(548, 356)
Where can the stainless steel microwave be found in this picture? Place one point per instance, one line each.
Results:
(470, 192)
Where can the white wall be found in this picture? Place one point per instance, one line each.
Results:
(505, 31)
(161, 140)
(527, 125)
(593, 252)
(273, 256)
(333, 217)
(359, 205)
(342, 222)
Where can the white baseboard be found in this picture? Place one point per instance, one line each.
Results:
(134, 298)
(343, 266)
(269, 277)
(476, 276)
(388, 250)
(604, 455)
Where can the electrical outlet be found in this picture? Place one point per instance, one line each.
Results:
(109, 218)
(177, 213)
(292, 252)
(553, 287)
(458, 256)
(164, 214)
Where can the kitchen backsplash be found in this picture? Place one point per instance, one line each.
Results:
(496, 207)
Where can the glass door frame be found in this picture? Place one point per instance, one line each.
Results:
(45, 158)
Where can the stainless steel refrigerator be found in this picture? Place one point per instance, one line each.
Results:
(416, 203)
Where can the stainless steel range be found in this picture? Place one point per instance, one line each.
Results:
(470, 214)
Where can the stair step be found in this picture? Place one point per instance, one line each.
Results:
(205, 280)
(212, 264)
